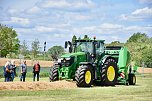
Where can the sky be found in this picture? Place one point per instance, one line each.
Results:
(56, 21)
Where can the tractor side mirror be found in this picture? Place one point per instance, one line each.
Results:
(70, 49)
(66, 44)
(98, 44)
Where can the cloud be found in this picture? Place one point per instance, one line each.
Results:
(22, 21)
(12, 11)
(66, 4)
(34, 9)
(138, 14)
(112, 29)
(53, 4)
(144, 11)
(134, 29)
(146, 1)
(105, 28)
(18, 20)
(110, 26)
(44, 29)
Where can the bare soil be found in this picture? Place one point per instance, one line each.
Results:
(41, 85)
(146, 70)
(29, 62)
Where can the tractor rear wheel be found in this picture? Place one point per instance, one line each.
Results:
(109, 72)
(84, 76)
(54, 76)
(132, 79)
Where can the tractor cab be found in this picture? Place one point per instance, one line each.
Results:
(92, 48)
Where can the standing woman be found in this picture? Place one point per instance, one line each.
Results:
(23, 71)
(7, 71)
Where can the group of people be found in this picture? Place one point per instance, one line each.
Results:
(10, 71)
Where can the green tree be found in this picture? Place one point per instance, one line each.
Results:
(35, 48)
(24, 48)
(147, 55)
(74, 38)
(86, 37)
(79, 38)
(115, 43)
(138, 37)
(55, 52)
(139, 44)
(9, 43)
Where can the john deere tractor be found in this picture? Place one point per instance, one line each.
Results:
(89, 62)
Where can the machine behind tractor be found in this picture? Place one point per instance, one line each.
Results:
(89, 62)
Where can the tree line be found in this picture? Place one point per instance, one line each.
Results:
(139, 45)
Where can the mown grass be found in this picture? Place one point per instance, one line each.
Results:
(142, 91)
(29, 79)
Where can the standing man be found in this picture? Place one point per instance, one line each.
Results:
(23, 71)
(36, 71)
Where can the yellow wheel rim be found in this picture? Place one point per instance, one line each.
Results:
(88, 77)
(134, 80)
(111, 73)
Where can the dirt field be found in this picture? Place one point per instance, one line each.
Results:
(29, 62)
(146, 70)
(41, 85)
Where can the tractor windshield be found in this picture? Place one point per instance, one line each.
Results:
(84, 47)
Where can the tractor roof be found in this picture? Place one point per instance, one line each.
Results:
(113, 47)
(81, 40)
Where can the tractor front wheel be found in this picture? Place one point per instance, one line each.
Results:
(132, 79)
(109, 72)
(84, 76)
(54, 76)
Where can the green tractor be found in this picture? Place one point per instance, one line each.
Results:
(89, 63)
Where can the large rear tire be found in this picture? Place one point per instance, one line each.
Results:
(54, 76)
(84, 76)
(132, 79)
(109, 73)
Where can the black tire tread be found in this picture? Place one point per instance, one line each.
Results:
(131, 79)
(80, 75)
(104, 72)
(54, 76)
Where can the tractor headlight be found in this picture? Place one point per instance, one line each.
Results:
(68, 58)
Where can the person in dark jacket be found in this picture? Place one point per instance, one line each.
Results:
(7, 71)
(13, 70)
(23, 71)
(36, 71)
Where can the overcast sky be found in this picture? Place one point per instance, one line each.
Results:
(56, 21)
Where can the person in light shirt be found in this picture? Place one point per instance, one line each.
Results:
(23, 71)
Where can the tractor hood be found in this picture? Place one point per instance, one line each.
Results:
(72, 54)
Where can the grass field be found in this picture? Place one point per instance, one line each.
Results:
(142, 91)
